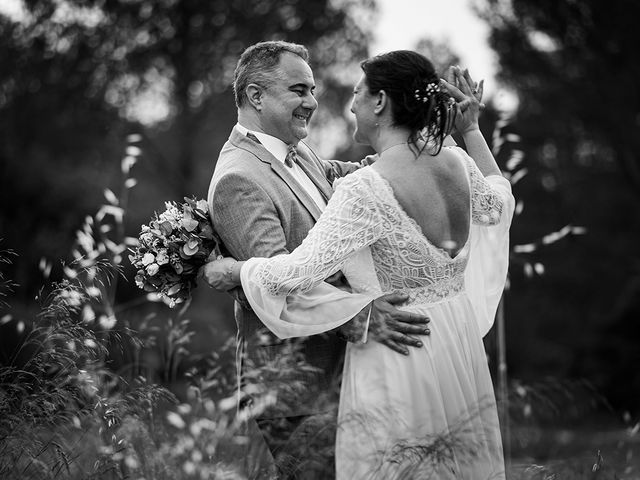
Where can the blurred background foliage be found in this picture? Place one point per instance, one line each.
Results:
(577, 79)
(79, 76)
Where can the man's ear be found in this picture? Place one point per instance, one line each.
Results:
(381, 102)
(254, 95)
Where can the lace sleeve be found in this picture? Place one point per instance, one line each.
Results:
(487, 201)
(351, 221)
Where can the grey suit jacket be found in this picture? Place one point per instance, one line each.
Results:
(260, 210)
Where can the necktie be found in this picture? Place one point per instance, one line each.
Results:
(252, 137)
(292, 156)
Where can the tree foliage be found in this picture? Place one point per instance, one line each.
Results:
(79, 75)
(573, 66)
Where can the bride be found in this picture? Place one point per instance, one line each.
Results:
(426, 220)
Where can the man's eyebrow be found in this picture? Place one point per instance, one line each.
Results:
(302, 85)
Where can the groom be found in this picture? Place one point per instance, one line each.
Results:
(267, 191)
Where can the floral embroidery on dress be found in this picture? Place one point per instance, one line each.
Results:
(363, 212)
(486, 206)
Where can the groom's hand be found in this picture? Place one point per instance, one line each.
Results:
(393, 327)
(387, 324)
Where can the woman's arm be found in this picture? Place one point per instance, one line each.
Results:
(351, 221)
(468, 112)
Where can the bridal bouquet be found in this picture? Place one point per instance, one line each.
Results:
(172, 248)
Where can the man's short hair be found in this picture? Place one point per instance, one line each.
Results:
(258, 63)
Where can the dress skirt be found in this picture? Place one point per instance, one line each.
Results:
(431, 414)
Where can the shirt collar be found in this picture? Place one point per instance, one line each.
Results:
(274, 146)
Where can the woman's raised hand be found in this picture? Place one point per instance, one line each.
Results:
(467, 95)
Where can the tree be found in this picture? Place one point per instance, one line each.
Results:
(79, 75)
(438, 52)
(573, 67)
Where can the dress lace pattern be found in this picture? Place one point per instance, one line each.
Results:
(363, 212)
(486, 206)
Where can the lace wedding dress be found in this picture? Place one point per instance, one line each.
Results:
(431, 414)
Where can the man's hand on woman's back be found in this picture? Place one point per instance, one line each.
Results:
(388, 325)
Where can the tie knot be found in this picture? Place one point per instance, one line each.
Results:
(253, 137)
(292, 156)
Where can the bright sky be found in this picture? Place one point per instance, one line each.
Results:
(402, 23)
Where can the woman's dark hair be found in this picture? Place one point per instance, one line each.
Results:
(410, 81)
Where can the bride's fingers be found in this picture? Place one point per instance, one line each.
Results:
(477, 89)
(463, 105)
(463, 84)
(452, 90)
(480, 90)
(449, 76)
(467, 77)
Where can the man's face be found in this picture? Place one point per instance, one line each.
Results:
(287, 104)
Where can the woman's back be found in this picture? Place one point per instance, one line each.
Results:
(434, 192)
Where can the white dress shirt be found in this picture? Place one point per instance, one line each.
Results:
(278, 149)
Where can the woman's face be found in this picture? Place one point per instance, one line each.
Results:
(362, 106)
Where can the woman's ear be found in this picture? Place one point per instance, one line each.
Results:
(254, 95)
(381, 102)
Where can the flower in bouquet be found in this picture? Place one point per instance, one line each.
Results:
(172, 248)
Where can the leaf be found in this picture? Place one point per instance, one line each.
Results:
(203, 206)
(189, 224)
(166, 228)
(133, 151)
(189, 248)
(207, 232)
(127, 163)
(526, 248)
(516, 177)
(110, 196)
(116, 212)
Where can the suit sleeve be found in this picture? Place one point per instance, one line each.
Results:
(252, 227)
(287, 292)
(354, 218)
(333, 169)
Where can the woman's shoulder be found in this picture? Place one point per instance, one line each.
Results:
(455, 153)
(459, 160)
(364, 184)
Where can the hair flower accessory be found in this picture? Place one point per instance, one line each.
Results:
(429, 90)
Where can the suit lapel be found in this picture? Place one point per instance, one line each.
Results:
(282, 171)
(316, 175)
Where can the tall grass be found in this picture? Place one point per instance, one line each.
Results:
(79, 401)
